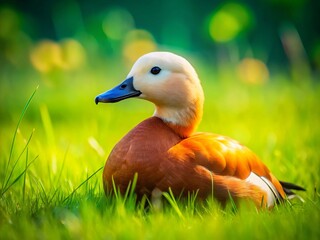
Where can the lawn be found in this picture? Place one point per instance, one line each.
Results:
(54, 141)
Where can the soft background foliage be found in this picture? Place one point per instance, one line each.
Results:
(259, 64)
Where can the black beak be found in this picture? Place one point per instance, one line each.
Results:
(123, 91)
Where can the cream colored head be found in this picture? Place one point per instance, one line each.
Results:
(175, 90)
(171, 83)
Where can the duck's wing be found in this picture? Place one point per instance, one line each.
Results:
(230, 162)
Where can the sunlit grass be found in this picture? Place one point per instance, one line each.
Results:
(56, 162)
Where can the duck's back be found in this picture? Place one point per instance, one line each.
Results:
(141, 151)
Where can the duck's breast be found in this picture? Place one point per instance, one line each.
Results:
(141, 151)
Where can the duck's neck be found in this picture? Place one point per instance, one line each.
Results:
(182, 121)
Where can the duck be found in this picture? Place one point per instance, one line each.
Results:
(167, 154)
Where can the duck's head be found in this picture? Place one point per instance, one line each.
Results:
(171, 83)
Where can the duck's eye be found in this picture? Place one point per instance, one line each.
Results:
(155, 70)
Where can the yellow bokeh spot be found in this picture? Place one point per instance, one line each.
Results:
(46, 55)
(73, 54)
(136, 44)
(252, 71)
(229, 21)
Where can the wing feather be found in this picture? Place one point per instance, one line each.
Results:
(223, 156)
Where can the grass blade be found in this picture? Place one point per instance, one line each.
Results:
(234, 208)
(88, 178)
(25, 176)
(171, 199)
(17, 178)
(15, 134)
(16, 162)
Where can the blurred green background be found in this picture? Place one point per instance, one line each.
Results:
(259, 63)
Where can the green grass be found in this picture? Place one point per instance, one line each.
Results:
(54, 145)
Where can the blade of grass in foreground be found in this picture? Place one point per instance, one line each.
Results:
(171, 199)
(25, 177)
(16, 162)
(5, 182)
(81, 184)
(4, 190)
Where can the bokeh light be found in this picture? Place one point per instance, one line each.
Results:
(252, 71)
(48, 55)
(73, 54)
(228, 21)
(117, 23)
(137, 43)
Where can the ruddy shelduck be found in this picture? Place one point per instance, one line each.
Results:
(166, 153)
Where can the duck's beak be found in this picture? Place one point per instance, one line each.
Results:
(123, 91)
